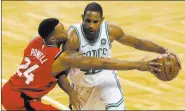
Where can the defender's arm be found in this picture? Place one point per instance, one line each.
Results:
(64, 84)
(76, 60)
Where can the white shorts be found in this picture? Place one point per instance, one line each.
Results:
(105, 96)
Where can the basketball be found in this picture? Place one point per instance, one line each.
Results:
(169, 69)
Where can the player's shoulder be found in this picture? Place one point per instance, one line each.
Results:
(39, 43)
(72, 36)
(74, 27)
(33, 43)
(72, 31)
(36, 40)
(113, 26)
(114, 29)
(72, 40)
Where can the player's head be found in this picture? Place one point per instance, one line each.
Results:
(52, 31)
(92, 17)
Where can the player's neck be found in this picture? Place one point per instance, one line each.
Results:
(51, 43)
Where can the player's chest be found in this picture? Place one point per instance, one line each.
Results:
(97, 50)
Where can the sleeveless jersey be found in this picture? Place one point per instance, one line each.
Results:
(34, 74)
(100, 49)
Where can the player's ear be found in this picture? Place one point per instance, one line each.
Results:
(52, 39)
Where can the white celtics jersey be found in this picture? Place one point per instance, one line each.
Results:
(100, 49)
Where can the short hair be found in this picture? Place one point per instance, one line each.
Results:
(47, 26)
(94, 7)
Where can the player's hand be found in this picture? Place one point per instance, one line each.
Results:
(172, 53)
(151, 66)
(76, 100)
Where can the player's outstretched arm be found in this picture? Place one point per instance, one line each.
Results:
(116, 33)
(76, 60)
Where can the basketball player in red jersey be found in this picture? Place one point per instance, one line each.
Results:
(42, 65)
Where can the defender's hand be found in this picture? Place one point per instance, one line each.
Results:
(149, 66)
(76, 100)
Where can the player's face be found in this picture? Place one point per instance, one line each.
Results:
(60, 34)
(92, 21)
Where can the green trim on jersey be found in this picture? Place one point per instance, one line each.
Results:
(121, 100)
(118, 83)
(107, 32)
(78, 35)
(115, 76)
(88, 40)
(115, 104)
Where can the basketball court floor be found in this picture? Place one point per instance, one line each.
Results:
(160, 22)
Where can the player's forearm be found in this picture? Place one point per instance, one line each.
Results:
(102, 63)
(146, 45)
(115, 64)
(64, 84)
(76, 60)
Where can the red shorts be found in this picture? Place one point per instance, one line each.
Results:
(11, 100)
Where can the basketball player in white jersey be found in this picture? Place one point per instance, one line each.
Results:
(93, 37)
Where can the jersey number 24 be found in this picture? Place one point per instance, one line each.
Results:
(27, 70)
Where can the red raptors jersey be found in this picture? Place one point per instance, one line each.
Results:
(34, 74)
